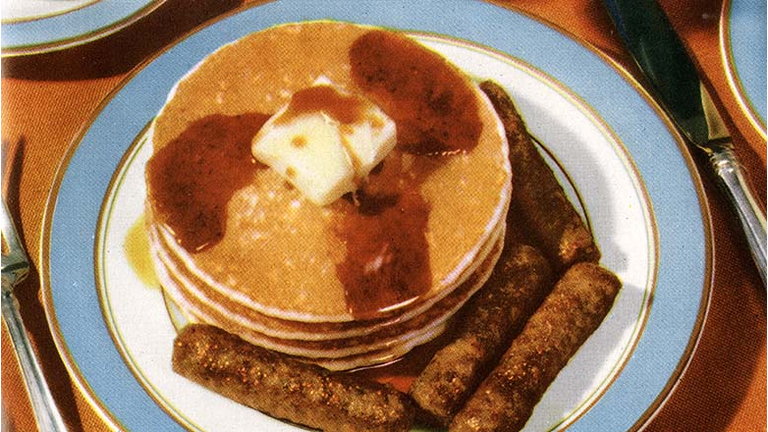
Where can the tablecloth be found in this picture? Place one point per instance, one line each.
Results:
(48, 98)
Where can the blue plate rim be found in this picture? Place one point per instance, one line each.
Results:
(275, 13)
(748, 93)
(71, 28)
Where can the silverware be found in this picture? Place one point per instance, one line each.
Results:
(15, 268)
(663, 59)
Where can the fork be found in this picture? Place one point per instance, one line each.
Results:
(15, 268)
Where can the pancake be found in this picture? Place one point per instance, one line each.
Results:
(351, 348)
(237, 246)
(216, 299)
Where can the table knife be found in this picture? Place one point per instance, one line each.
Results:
(660, 54)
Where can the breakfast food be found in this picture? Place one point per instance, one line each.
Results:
(568, 316)
(286, 388)
(540, 207)
(484, 330)
(326, 196)
(281, 208)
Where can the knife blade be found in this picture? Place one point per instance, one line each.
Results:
(661, 55)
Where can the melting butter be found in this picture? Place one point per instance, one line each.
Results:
(325, 141)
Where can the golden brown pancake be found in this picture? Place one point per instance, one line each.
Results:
(277, 267)
(358, 343)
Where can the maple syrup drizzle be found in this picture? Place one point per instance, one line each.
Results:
(192, 178)
(435, 110)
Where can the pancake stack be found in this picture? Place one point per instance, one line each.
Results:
(360, 281)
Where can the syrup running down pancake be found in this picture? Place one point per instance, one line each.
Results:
(367, 277)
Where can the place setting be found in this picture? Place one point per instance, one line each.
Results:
(379, 216)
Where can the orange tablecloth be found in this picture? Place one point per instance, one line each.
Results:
(47, 99)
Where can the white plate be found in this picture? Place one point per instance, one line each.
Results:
(613, 151)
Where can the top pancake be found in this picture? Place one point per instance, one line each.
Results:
(281, 254)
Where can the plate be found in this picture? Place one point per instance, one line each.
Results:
(611, 146)
(743, 44)
(35, 26)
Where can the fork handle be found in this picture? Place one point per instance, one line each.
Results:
(46, 412)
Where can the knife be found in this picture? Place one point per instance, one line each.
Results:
(656, 48)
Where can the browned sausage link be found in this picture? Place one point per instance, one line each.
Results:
(539, 199)
(567, 317)
(285, 388)
(487, 325)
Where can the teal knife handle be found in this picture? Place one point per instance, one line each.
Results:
(657, 49)
(731, 178)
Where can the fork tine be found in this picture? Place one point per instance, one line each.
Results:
(16, 257)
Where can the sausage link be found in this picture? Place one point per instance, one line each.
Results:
(286, 388)
(539, 204)
(567, 317)
(486, 326)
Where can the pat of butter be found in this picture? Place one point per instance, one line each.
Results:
(325, 141)
(308, 153)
